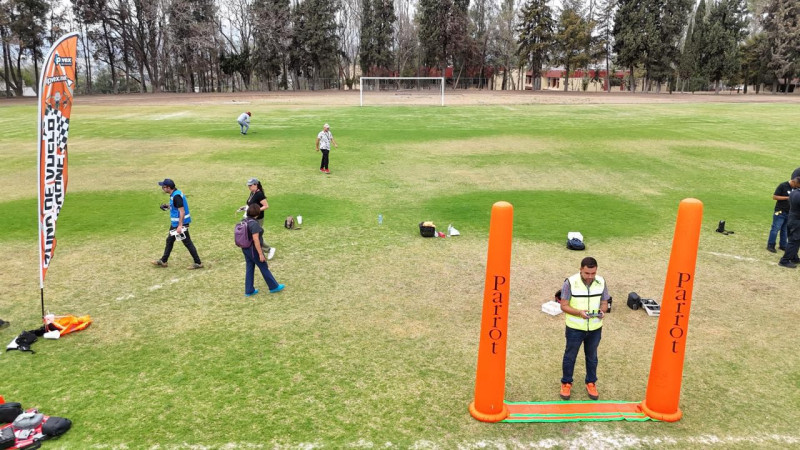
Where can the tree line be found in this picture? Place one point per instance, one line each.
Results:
(230, 45)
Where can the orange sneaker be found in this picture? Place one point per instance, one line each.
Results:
(565, 388)
(591, 389)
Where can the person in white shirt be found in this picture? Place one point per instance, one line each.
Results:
(244, 122)
(324, 141)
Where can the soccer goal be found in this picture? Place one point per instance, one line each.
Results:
(402, 90)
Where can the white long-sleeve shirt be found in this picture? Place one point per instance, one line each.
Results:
(244, 118)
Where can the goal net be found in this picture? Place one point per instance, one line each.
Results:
(402, 91)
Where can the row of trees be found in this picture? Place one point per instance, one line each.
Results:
(223, 45)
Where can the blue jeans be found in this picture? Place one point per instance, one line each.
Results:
(779, 224)
(251, 260)
(244, 126)
(590, 341)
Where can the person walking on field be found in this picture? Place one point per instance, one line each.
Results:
(244, 122)
(779, 223)
(324, 141)
(584, 300)
(257, 197)
(254, 256)
(179, 218)
(790, 259)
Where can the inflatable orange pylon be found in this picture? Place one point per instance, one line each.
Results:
(489, 405)
(666, 367)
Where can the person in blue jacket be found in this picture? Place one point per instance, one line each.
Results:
(179, 220)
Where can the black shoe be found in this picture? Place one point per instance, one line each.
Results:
(783, 249)
(771, 248)
(788, 264)
(4, 324)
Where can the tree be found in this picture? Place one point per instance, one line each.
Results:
(272, 35)
(604, 38)
(27, 24)
(315, 42)
(572, 41)
(536, 34)
(727, 25)
(482, 17)
(782, 25)
(665, 22)
(377, 28)
(755, 61)
(237, 32)
(432, 17)
(629, 22)
(192, 23)
(406, 41)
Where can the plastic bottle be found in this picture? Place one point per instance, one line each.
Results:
(380, 219)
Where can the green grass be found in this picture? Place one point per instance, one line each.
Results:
(374, 341)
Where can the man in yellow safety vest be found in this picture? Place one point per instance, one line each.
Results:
(584, 300)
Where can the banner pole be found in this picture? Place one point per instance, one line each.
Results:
(42, 293)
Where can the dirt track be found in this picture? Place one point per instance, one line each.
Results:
(460, 97)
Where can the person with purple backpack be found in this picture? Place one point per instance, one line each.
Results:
(254, 254)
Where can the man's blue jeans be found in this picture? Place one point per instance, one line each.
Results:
(778, 225)
(251, 260)
(590, 341)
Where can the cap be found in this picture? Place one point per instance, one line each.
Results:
(248, 113)
(252, 181)
(167, 182)
(326, 126)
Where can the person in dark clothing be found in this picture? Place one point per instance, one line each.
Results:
(258, 197)
(790, 259)
(180, 218)
(781, 197)
(254, 256)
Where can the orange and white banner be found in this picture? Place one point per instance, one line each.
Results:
(56, 87)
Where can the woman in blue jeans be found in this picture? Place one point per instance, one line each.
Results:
(254, 256)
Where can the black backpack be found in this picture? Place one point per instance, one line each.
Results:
(575, 244)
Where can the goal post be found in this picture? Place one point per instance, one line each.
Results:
(406, 87)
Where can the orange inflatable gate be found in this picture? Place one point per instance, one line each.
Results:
(666, 368)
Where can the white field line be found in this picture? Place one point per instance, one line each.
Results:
(595, 439)
(592, 439)
(726, 255)
(169, 116)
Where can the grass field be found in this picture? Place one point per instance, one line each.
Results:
(373, 344)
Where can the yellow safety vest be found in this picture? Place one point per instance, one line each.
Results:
(585, 299)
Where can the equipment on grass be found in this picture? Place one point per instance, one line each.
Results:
(402, 90)
(164, 206)
(427, 229)
(4, 324)
(721, 228)
(452, 231)
(9, 411)
(651, 307)
(289, 223)
(575, 241)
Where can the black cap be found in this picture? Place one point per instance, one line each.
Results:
(167, 182)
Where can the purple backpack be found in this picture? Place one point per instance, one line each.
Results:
(242, 235)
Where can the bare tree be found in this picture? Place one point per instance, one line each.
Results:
(406, 50)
